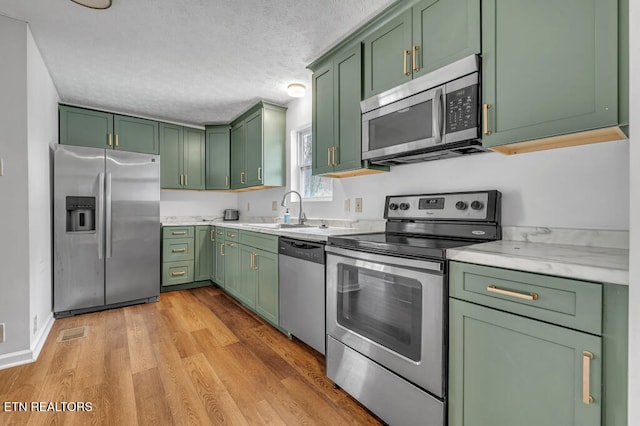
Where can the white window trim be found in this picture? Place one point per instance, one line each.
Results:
(296, 168)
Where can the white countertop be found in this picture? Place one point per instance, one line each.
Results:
(311, 233)
(608, 264)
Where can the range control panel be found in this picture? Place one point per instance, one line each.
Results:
(480, 205)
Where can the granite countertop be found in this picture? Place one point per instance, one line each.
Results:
(314, 232)
(601, 256)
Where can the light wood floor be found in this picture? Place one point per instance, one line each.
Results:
(195, 357)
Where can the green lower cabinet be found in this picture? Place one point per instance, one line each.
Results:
(248, 277)
(231, 253)
(174, 273)
(507, 370)
(266, 265)
(212, 253)
(219, 258)
(203, 253)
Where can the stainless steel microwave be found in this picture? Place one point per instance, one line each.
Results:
(431, 117)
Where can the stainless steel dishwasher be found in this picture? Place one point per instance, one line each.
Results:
(301, 274)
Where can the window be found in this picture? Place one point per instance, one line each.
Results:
(311, 187)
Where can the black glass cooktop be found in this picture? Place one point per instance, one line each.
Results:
(418, 246)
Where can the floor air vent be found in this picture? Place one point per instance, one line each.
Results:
(72, 334)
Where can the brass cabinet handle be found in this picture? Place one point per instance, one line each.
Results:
(241, 177)
(177, 274)
(211, 235)
(185, 180)
(231, 245)
(221, 249)
(586, 373)
(333, 157)
(219, 232)
(404, 62)
(259, 173)
(252, 260)
(329, 156)
(178, 250)
(226, 180)
(181, 180)
(529, 296)
(231, 235)
(110, 140)
(178, 232)
(485, 118)
(117, 143)
(413, 58)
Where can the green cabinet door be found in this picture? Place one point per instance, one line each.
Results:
(238, 173)
(348, 119)
(323, 119)
(193, 158)
(253, 149)
(220, 258)
(218, 157)
(248, 276)
(212, 253)
(171, 154)
(203, 253)
(443, 32)
(548, 67)
(135, 134)
(387, 55)
(84, 127)
(266, 299)
(507, 370)
(232, 268)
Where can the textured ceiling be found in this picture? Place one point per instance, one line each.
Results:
(190, 61)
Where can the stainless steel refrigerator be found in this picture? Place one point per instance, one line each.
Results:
(106, 231)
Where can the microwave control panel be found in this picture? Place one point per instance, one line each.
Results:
(462, 109)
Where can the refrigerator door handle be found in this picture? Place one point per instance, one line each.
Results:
(100, 215)
(108, 214)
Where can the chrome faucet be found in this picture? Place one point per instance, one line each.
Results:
(301, 216)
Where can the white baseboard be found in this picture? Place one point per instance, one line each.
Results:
(15, 359)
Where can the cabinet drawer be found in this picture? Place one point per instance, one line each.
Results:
(177, 232)
(260, 241)
(571, 303)
(177, 273)
(178, 249)
(219, 233)
(231, 234)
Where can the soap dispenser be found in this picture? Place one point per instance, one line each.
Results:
(287, 216)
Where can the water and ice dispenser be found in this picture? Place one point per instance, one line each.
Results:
(81, 214)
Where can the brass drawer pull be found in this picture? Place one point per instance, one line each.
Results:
(231, 245)
(586, 373)
(219, 232)
(221, 249)
(231, 235)
(211, 235)
(527, 296)
(178, 232)
(404, 62)
(414, 57)
(178, 250)
(485, 118)
(177, 274)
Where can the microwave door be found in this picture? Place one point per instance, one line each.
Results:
(411, 124)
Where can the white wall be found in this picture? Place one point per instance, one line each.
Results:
(634, 253)
(14, 221)
(196, 203)
(42, 128)
(579, 187)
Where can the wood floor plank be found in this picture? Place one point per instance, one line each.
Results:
(195, 357)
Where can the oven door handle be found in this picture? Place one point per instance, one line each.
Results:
(389, 260)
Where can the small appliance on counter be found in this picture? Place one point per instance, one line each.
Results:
(231, 214)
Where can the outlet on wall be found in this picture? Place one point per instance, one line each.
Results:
(1, 332)
(358, 205)
(347, 205)
(274, 206)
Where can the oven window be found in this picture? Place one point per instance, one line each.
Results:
(383, 307)
(406, 125)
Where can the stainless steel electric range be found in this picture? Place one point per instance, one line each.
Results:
(387, 302)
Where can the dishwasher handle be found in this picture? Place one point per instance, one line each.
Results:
(305, 250)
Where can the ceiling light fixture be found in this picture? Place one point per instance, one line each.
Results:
(296, 90)
(94, 4)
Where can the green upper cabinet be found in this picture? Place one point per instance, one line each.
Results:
(182, 152)
(549, 68)
(218, 165)
(431, 34)
(337, 122)
(203, 255)
(258, 147)
(507, 370)
(85, 127)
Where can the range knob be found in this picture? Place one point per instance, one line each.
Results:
(461, 205)
(476, 205)
(404, 206)
(393, 206)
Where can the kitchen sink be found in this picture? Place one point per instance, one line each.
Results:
(277, 225)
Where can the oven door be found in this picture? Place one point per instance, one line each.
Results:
(389, 309)
(410, 124)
